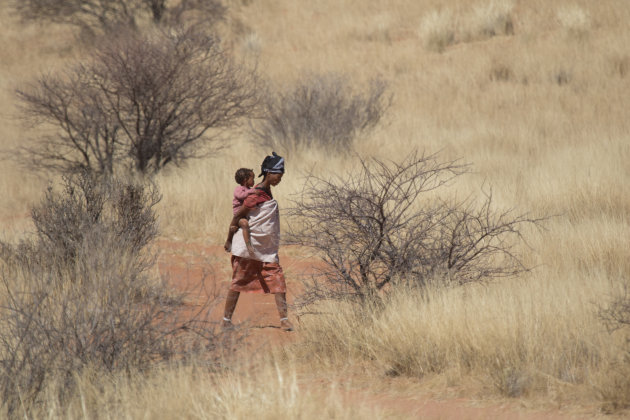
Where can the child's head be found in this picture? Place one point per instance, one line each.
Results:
(245, 177)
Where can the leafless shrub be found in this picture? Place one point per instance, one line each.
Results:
(500, 72)
(511, 381)
(107, 15)
(377, 227)
(322, 112)
(614, 390)
(615, 387)
(80, 294)
(616, 315)
(139, 103)
(65, 221)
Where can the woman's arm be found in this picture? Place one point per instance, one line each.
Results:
(240, 214)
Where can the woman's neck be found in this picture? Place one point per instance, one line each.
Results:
(265, 184)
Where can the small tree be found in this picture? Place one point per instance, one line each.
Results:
(379, 226)
(106, 15)
(324, 111)
(139, 102)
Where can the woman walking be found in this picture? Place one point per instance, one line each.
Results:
(258, 271)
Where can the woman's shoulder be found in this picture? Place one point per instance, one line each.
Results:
(256, 197)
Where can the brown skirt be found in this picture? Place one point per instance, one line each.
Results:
(256, 276)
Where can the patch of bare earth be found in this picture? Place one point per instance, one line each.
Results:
(204, 270)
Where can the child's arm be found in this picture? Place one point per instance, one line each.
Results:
(241, 193)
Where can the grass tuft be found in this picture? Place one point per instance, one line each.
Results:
(437, 30)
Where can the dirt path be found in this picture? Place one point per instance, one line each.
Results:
(423, 406)
(187, 265)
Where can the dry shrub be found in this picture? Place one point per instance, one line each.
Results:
(517, 338)
(509, 378)
(80, 294)
(140, 102)
(89, 211)
(109, 15)
(384, 224)
(491, 19)
(615, 385)
(616, 315)
(437, 30)
(321, 111)
(500, 72)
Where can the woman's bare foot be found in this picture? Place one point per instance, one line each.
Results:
(286, 325)
(227, 325)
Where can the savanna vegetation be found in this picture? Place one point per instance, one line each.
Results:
(457, 174)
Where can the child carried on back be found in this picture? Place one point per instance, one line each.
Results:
(245, 179)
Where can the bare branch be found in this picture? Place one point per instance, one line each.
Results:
(374, 227)
(110, 15)
(140, 103)
(80, 293)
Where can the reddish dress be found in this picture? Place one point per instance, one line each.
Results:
(259, 272)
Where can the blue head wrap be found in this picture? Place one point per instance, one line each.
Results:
(273, 164)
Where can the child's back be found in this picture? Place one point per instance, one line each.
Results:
(245, 178)
(240, 194)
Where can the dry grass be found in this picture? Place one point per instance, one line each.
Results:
(492, 18)
(193, 392)
(518, 338)
(441, 28)
(550, 134)
(575, 20)
(437, 29)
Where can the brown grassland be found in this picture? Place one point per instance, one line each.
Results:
(534, 94)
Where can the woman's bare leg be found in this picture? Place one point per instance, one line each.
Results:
(281, 304)
(230, 305)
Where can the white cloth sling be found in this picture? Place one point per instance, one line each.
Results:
(264, 228)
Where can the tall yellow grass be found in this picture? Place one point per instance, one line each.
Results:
(534, 336)
(193, 392)
(542, 114)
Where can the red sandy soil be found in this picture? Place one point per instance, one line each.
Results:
(188, 265)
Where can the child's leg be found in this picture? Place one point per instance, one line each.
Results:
(244, 225)
(228, 242)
